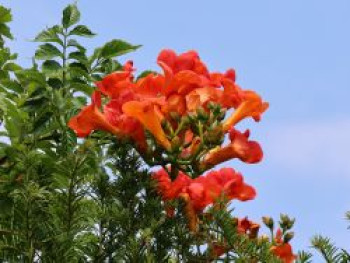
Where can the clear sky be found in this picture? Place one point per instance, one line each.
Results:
(295, 53)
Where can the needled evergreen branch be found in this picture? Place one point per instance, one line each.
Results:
(329, 251)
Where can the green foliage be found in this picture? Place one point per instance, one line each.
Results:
(54, 191)
(47, 51)
(304, 257)
(117, 47)
(71, 16)
(81, 30)
(329, 251)
(5, 17)
(347, 216)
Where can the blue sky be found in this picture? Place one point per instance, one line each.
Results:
(295, 53)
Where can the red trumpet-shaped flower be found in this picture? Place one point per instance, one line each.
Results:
(282, 249)
(202, 191)
(91, 118)
(252, 106)
(240, 147)
(206, 189)
(248, 227)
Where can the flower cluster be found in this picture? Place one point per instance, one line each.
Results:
(179, 119)
(202, 191)
(183, 109)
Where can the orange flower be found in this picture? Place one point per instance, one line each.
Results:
(175, 103)
(245, 226)
(130, 127)
(240, 147)
(146, 113)
(204, 190)
(186, 61)
(91, 118)
(150, 86)
(184, 82)
(232, 95)
(114, 84)
(228, 182)
(170, 190)
(283, 250)
(201, 96)
(183, 73)
(252, 106)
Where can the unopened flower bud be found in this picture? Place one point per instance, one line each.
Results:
(202, 114)
(214, 135)
(211, 105)
(288, 236)
(216, 109)
(286, 222)
(268, 221)
(221, 115)
(264, 237)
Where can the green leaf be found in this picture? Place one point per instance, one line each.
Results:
(77, 70)
(51, 66)
(82, 30)
(5, 31)
(71, 16)
(5, 15)
(74, 43)
(11, 67)
(85, 88)
(81, 66)
(41, 121)
(95, 55)
(4, 56)
(47, 51)
(79, 101)
(79, 56)
(116, 48)
(34, 103)
(12, 85)
(4, 74)
(28, 76)
(50, 35)
(107, 66)
(55, 83)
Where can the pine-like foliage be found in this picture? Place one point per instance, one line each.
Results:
(329, 251)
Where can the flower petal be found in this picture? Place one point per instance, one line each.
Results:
(89, 119)
(252, 106)
(146, 113)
